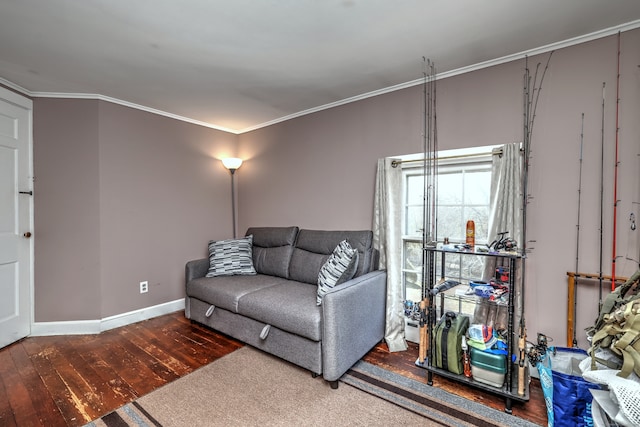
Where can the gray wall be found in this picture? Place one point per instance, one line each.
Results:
(66, 210)
(318, 171)
(121, 196)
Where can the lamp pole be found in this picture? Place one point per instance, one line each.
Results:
(233, 202)
(232, 164)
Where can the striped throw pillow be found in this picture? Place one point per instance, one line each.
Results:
(231, 257)
(340, 267)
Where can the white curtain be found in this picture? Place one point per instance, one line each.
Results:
(506, 196)
(387, 238)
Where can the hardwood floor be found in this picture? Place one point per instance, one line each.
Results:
(71, 380)
(404, 363)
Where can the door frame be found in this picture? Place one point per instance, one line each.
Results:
(27, 103)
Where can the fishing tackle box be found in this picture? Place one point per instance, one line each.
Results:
(447, 340)
(488, 368)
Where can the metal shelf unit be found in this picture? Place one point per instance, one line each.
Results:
(509, 389)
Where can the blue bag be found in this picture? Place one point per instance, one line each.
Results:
(546, 382)
(571, 396)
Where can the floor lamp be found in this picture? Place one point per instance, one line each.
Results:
(232, 163)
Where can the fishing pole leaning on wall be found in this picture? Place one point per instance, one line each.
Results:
(532, 89)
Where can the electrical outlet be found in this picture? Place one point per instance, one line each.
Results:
(144, 287)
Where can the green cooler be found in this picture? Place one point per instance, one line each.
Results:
(488, 368)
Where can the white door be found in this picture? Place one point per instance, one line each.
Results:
(16, 220)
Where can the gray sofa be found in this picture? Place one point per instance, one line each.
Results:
(275, 310)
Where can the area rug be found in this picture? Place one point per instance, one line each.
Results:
(251, 388)
(431, 402)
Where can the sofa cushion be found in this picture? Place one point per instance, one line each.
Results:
(230, 257)
(313, 248)
(226, 291)
(290, 306)
(272, 248)
(340, 267)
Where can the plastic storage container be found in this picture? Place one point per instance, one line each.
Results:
(491, 313)
(488, 368)
(412, 330)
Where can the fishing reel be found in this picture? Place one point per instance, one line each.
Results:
(539, 350)
(411, 309)
(503, 243)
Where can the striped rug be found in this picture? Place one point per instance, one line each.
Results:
(239, 390)
(251, 388)
(131, 414)
(430, 402)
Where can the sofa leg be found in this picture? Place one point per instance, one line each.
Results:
(314, 375)
(334, 384)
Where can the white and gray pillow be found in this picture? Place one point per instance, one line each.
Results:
(231, 257)
(340, 267)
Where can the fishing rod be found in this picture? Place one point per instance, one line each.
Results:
(428, 161)
(425, 200)
(435, 156)
(532, 89)
(615, 175)
(536, 94)
(575, 288)
(429, 196)
(633, 226)
(522, 330)
(423, 349)
(632, 222)
(601, 196)
(431, 151)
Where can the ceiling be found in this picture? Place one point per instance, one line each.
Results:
(238, 65)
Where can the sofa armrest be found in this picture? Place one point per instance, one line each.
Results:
(353, 322)
(195, 269)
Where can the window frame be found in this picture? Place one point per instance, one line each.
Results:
(478, 158)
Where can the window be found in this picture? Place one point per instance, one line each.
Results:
(463, 187)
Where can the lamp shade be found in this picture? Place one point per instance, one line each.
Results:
(232, 163)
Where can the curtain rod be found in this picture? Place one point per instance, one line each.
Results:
(395, 163)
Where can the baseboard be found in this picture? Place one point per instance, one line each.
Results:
(81, 327)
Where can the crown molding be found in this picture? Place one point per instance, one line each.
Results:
(15, 87)
(130, 105)
(95, 96)
(463, 70)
